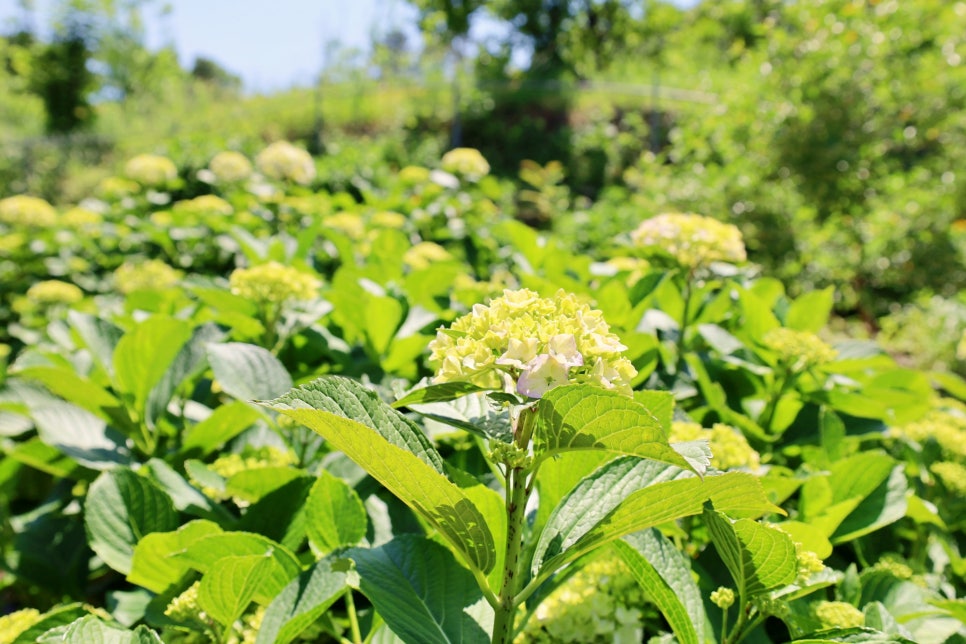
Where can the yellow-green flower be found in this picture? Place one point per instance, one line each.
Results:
(11, 243)
(413, 175)
(945, 424)
(349, 223)
(729, 447)
(723, 598)
(50, 292)
(799, 349)
(28, 212)
(692, 241)
(808, 562)
(285, 162)
(185, 607)
(205, 205)
(152, 274)
(838, 615)
(273, 283)
(116, 188)
(526, 343)
(230, 167)
(16, 623)
(388, 219)
(952, 474)
(465, 162)
(425, 254)
(151, 170)
(80, 218)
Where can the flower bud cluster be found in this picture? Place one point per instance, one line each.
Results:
(285, 162)
(729, 447)
(152, 274)
(692, 241)
(528, 344)
(184, 607)
(799, 349)
(465, 162)
(723, 598)
(838, 615)
(151, 170)
(273, 283)
(946, 426)
(27, 212)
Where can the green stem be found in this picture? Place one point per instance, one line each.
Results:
(685, 314)
(505, 610)
(768, 415)
(724, 623)
(736, 633)
(350, 607)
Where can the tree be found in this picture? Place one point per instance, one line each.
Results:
(64, 81)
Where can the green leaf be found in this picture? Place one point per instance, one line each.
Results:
(576, 417)
(659, 403)
(396, 453)
(475, 413)
(627, 495)
(76, 389)
(144, 354)
(759, 558)
(230, 584)
(857, 635)
(336, 516)
(437, 393)
(186, 498)
(301, 603)
(152, 565)
(80, 435)
(121, 509)
(91, 629)
(54, 618)
(383, 314)
(886, 504)
(202, 555)
(280, 514)
(190, 360)
(955, 385)
(39, 455)
(421, 591)
(810, 311)
(665, 576)
(248, 372)
(224, 423)
(251, 485)
(99, 336)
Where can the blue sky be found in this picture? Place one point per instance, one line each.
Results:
(271, 44)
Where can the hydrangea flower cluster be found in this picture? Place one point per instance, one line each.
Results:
(426, 253)
(692, 241)
(529, 344)
(799, 349)
(27, 212)
(723, 598)
(465, 162)
(80, 218)
(116, 188)
(838, 615)
(729, 446)
(945, 426)
(151, 274)
(50, 292)
(230, 167)
(285, 162)
(17, 622)
(952, 474)
(151, 170)
(273, 283)
(598, 604)
(205, 205)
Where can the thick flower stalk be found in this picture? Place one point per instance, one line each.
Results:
(526, 344)
(691, 241)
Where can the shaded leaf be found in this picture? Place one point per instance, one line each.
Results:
(247, 371)
(301, 603)
(335, 515)
(152, 565)
(759, 558)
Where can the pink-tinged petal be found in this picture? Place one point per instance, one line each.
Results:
(542, 373)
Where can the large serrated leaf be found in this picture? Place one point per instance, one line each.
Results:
(144, 354)
(759, 558)
(301, 603)
(475, 413)
(99, 336)
(576, 417)
(335, 515)
(80, 435)
(153, 568)
(421, 591)
(247, 371)
(230, 584)
(189, 361)
(121, 509)
(224, 423)
(606, 506)
(665, 576)
(437, 393)
(396, 453)
(90, 629)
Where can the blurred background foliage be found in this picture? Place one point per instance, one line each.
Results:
(833, 132)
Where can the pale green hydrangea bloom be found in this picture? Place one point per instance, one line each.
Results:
(952, 474)
(413, 175)
(80, 218)
(598, 604)
(51, 292)
(465, 162)
(388, 219)
(729, 447)
(230, 167)
(28, 212)
(692, 241)
(838, 615)
(799, 349)
(151, 274)
(17, 622)
(151, 170)
(349, 223)
(285, 162)
(425, 254)
(944, 424)
(205, 205)
(184, 607)
(529, 344)
(116, 188)
(723, 598)
(891, 564)
(273, 283)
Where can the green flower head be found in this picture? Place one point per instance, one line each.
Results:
(529, 344)
(691, 241)
(273, 283)
(723, 598)
(151, 170)
(50, 292)
(285, 162)
(152, 274)
(465, 162)
(28, 212)
(729, 447)
(230, 167)
(838, 615)
(799, 349)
